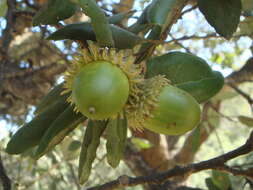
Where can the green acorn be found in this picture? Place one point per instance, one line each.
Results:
(163, 108)
(101, 81)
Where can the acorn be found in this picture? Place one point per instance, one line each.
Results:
(163, 108)
(101, 81)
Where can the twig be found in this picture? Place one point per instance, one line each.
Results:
(195, 37)
(181, 45)
(211, 35)
(221, 114)
(189, 10)
(243, 94)
(3, 177)
(7, 36)
(248, 181)
(192, 37)
(7, 33)
(217, 163)
(28, 14)
(73, 175)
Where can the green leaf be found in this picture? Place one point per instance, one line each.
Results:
(221, 180)
(211, 185)
(91, 141)
(204, 89)
(158, 14)
(248, 121)
(188, 72)
(51, 97)
(141, 143)
(117, 18)
(223, 15)
(141, 24)
(179, 67)
(247, 5)
(54, 11)
(74, 145)
(70, 148)
(65, 123)
(159, 10)
(99, 21)
(3, 8)
(76, 31)
(124, 39)
(83, 31)
(153, 35)
(116, 135)
(246, 26)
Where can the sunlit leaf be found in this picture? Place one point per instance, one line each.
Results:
(99, 22)
(74, 145)
(159, 10)
(141, 143)
(3, 8)
(211, 185)
(188, 72)
(248, 121)
(247, 5)
(116, 136)
(221, 180)
(70, 148)
(246, 26)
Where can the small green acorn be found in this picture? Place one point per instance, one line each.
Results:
(164, 109)
(101, 81)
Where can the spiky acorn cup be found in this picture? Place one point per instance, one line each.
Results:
(141, 103)
(101, 81)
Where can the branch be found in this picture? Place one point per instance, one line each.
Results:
(189, 10)
(180, 44)
(3, 177)
(243, 74)
(135, 161)
(217, 163)
(7, 35)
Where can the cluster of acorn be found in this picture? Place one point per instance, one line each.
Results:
(106, 87)
(105, 84)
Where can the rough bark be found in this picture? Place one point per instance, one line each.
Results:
(4, 177)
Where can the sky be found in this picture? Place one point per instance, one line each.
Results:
(3, 129)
